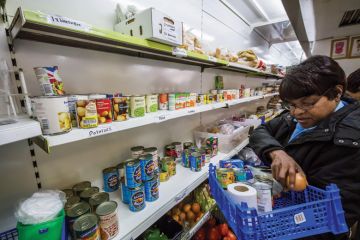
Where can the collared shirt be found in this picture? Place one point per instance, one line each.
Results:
(300, 130)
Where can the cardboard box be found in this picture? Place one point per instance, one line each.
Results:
(153, 25)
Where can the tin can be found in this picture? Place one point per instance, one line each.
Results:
(71, 201)
(104, 110)
(132, 170)
(88, 192)
(125, 194)
(172, 169)
(163, 101)
(53, 114)
(147, 167)
(200, 99)
(137, 199)
(203, 158)
(263, 188)
(193, 98)
(72, 99)
(109, 224)
(95, 96)
(120, 108)
(155, 157)
(212, 143)
(186, 158)
(151, 103)
(152, 189)
(178, 150)
(111, 179)
(98, 198)
(225, 176)
(50, 81)
(187, 145)
(240, 175)
(172, 101)
(170, 151)
(137, 151)
(195, 162)
(68, 193)
(164, 176)
(81, 186)
(86, 227)
(121, 170)
(86, 114)
(207, 154)
(137, 106)
(166, 164)
(74, 212)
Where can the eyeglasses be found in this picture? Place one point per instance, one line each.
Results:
(306, 106)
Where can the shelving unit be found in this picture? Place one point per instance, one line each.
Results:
(133, 224)
(47, 142)
(38, 26)
(22, 129)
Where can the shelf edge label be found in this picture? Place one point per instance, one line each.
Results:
(67, 22)
(99, 131)
(179, 52)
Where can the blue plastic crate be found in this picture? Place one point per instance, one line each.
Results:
(9, 235)
(295, 215)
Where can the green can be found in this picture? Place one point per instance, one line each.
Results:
(137, 106)
(151, 103)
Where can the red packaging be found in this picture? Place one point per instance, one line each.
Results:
(104, 113)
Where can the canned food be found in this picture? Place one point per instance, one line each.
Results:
(53, 114)
(88, 192)
(109, 224)
(71, 201)
(72, 99)
(137, 106)
(225, 176)
(125, 194)
(121, 108)
(151, 103)
(203, 158)
(240, 175)
(81, 186)
(170, 151)
(147, 167)
(104, 110)
(132, 173)
(98, 198)
(137, 151)
(86, 114)
(186, 158)
(193, 97)
(50, 81)
(152, 189)
(264, 194)
(172, 102)
(86, 227)
(137, 199)
(111, 179)
(163, 101)
(187, 145)
(68, 193)
(164, 176)
(74, 212)
(212, 143)
(166, 164)
(178, 149)
(155, 157)
(195, 162)
(172, 170)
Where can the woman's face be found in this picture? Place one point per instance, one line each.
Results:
(355, 95)
(310, 110)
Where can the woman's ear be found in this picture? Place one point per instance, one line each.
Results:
(339, 90)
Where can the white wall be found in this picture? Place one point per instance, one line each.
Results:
(86, 71)
(323, 48)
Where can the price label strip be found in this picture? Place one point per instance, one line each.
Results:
(67, 22)
(179, 52)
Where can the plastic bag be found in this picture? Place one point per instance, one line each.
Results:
(40, 207)
(249, 157)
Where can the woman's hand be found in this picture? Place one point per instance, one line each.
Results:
(282, 166)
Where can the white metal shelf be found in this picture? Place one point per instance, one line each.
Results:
(24, 128)
(133, 224)
(46, 142)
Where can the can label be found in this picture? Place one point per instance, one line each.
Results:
(152, 189)
(137, 106)
(151, 103)
(132, 175)
(172, 101)
(212, 143)
(50, 81)
(195, 162)
(225, 177)
(121, 108)
(264, 196)
(89, 234)
(103, 108)
(137, 199)
(147, 169)
(53, 114)
(163, 101)
(111, 181)
(125, 194)
(86, 114)
(186, 159)
(109, 226)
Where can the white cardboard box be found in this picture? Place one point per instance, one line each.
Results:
(153, 25)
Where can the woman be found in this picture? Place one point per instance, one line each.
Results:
(319, 135)
(353, 85)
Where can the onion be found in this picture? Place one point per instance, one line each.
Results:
(300, 182)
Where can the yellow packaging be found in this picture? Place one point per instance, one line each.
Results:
(86, 114)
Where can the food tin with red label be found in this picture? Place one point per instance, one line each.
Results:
(104, 110)
(170, 151)
(86, 227)
(147, 167)
(109, 224)
(163, 101)
(121, 108)
(111, 179)
(137, 199)
(132, 173)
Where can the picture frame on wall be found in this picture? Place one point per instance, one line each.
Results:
(354, 51)
(339, 48)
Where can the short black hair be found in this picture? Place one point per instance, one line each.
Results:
(353, 81)
(314, 76)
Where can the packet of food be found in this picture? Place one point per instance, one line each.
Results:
(50, 81)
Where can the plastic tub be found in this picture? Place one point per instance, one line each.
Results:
(295, 215)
